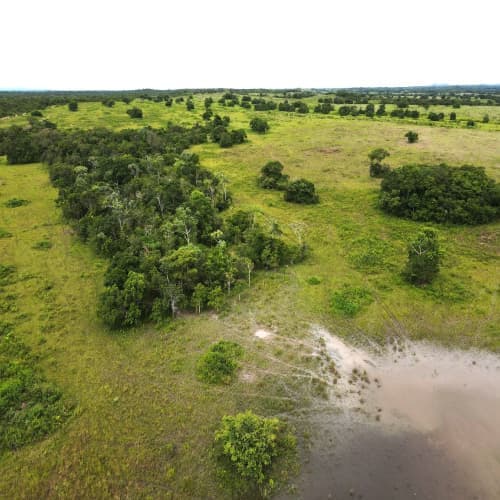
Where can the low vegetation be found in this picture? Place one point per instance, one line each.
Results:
(30, 407)
(220, 363)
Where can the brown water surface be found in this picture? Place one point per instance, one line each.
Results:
(415, 421)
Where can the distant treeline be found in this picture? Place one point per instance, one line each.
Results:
(17, 102)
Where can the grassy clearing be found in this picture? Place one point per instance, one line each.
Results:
(144, 423)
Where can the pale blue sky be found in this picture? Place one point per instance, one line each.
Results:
(106, 44)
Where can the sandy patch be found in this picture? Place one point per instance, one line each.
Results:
(263, 334)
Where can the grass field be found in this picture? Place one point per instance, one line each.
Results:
(144, 423)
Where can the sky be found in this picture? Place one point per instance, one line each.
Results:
(108, 44)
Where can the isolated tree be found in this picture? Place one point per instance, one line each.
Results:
(247, 448)
(189, 105)
(411, 136)
(377, 168)
(134, 112)
(423, 258)
(73, 106)
(471, 123)
(301, 191)
(486, 118)
(271, 176)
(381, 110)
(453, 116)
(259, 125)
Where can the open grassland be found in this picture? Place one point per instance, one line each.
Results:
(143, 423)
(156, 114)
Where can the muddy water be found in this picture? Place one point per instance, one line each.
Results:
(416, 421)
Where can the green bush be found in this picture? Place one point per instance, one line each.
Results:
(4, 233)
(423, 258)
(411, 136)
(460, 195)
(271, 176)
(16, 202)
(30, 408)
(259, 125)
(349, 300)
(219, 364)
(42, 245)
(301, 191)
(377, 168)
(250, 450)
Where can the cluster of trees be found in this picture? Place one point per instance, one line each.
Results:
(440, 193)
(435, 117)
(298, 191)
(263, 105)
(405, 113)
(369, 110)
(218, 131)
(140, 200)
(295, 107)
(323, 107)
(259, 125)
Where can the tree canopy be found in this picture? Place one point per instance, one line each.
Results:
(440, 193)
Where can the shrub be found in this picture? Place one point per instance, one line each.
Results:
(377, 168)
(4, 233)
(248, 449)
(411, 136)
(36, 113)
(435, 117)
(313, 280)
(453, 116)
(259, 125)
(460, 195)
(42, 245)
(301, 191)
(423, 258)
(486, 118)
(272, 177)
(219, 364)
(225, 140)
(134, 112)
(349, 300)
(471, 123)
(16, 202)
(73, 106)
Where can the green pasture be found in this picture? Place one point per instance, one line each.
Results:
(144, 423)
